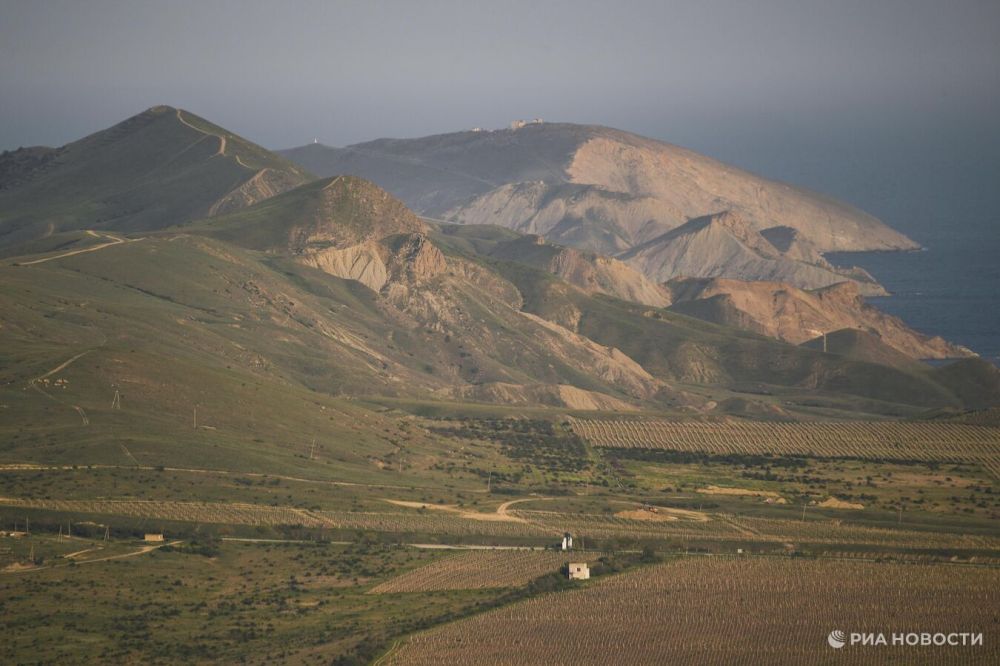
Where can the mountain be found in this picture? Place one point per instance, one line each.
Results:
(156, 169)
(601, 190)
(463, 320)
(538, 323)
(862, 346)
(797, 316)
(590, 272)
(725, 244)
(974, 381)
(333, 293)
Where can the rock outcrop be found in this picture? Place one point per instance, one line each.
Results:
(727, 245)
(592, 273)
(611, 192)
(797, 315)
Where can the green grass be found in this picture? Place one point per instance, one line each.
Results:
(301, 603)
(148, 172)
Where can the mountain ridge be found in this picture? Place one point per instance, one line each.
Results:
(335, 286)
(599, 189)
(155, 169)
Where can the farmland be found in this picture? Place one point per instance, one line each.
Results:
(479, 569)
(723, 611)
(345, 568)
(927, 441)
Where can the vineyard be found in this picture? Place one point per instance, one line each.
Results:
(723, 527)
(532, 524)
(480, 569)
(725, 611)
(890, 440)
(196, 512)
(264, 515)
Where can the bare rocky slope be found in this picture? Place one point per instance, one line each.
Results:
(351, 229)
(726, 244)
(525, 317)
(593, 273)
(796, 315)
(606, 191)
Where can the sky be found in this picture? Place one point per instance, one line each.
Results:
(724, 76)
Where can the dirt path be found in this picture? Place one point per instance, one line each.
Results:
(463, 513)
(502, 509)
(222, 139)
(83, 415)
(142, 551)
(62, 366)
(129, 455)
(33, 383)
(115, 240)
(69, 556)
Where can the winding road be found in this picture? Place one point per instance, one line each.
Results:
(115, 240)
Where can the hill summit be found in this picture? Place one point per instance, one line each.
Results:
(602, 190)
(159, 168)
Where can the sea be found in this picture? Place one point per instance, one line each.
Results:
(941, 188)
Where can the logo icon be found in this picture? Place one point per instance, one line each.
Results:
(836, 639)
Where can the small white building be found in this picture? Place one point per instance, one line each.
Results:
(153, 538)
(579, 571)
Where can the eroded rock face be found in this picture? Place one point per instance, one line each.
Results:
(358, 262)
(618, 194)
(604, 188)
(608, 363)
(413, 258)
(796, 315)
(727, 245)
(408, 260)
(593, 273)
(694, 185)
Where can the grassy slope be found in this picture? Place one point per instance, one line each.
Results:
(155, 169)
(174, 324)
(272, 353)
(346, 207)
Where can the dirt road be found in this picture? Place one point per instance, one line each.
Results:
(115, 240)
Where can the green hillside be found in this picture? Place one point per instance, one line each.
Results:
(158, 168)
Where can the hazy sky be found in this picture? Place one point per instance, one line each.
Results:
(700, 72)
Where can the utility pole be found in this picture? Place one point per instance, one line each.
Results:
(489, 481)
(312, 450)
(196, 417)
(116, 403)
(900, 520)
(804, 505)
